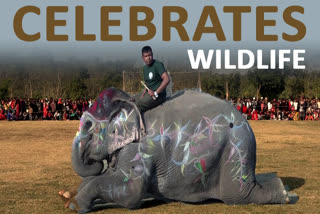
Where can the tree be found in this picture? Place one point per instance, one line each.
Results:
(312, 85)
(214, 84)
(4, 84)
(247, 88)
(268, 83)
(294, 87)
(78, 89)
(234, 82)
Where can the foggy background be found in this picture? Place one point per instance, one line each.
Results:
(12, 49)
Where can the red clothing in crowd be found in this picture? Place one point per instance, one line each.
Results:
(254, 115)
(17, 109)
(74, 106)
(50, 115)
(2, 116)
(65, 116)
(60, 101)
(45, 110)
(244, 109)
(308, 117)
(13, 102)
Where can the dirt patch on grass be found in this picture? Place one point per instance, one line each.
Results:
(35, 164)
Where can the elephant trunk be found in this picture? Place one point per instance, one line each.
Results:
(81, 164)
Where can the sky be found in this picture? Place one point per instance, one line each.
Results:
(11, 46)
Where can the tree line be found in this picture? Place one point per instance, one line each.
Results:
(273, 84)
(87, 80)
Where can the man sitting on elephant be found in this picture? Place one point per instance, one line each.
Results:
(156, 79)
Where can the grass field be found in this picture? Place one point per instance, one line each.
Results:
(35, 164)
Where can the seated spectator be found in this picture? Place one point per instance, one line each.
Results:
(78, 114)
(73, 115)
(254, 115)
(291, 115)
(272, 116)
(74, 105)
(30, 111)
(50, 115)
(285, 115)
(65, 115)
(267, 115)
(25, 115)
(60, 105)
(279, 114)
(2, 115)
(45, 110)
(56, 115)
(316, 115)
(10, 116)
(296, 116)
(244, 109)
(308, 117)
(238, 105)
(249, 115)
(262, 115)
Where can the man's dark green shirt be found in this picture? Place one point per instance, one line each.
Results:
(152, 75)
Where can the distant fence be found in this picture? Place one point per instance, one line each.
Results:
(179, 80)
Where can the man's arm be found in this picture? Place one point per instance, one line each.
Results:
(164, 83)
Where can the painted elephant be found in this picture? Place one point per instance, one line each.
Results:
(192, 148)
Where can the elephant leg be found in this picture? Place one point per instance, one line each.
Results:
(270, 191)
(112, 187)
(249, 190)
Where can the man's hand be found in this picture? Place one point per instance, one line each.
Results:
(148, 89)
(151, 93)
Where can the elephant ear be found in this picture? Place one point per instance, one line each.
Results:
(124, 128)
(125, 123)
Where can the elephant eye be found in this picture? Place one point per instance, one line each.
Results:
(88, 125)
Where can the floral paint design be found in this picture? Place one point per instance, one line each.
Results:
(193, 149)
(199, 145)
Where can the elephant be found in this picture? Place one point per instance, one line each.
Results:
(191, 148)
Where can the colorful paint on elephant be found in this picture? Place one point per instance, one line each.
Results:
(119, 132)
(198, 145)
(201, 142)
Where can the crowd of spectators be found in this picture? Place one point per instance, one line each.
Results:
(67, 109)
(278, 109)
(43, 109)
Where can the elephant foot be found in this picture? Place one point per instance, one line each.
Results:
(291, 198)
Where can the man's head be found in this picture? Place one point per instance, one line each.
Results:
(147, 55)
